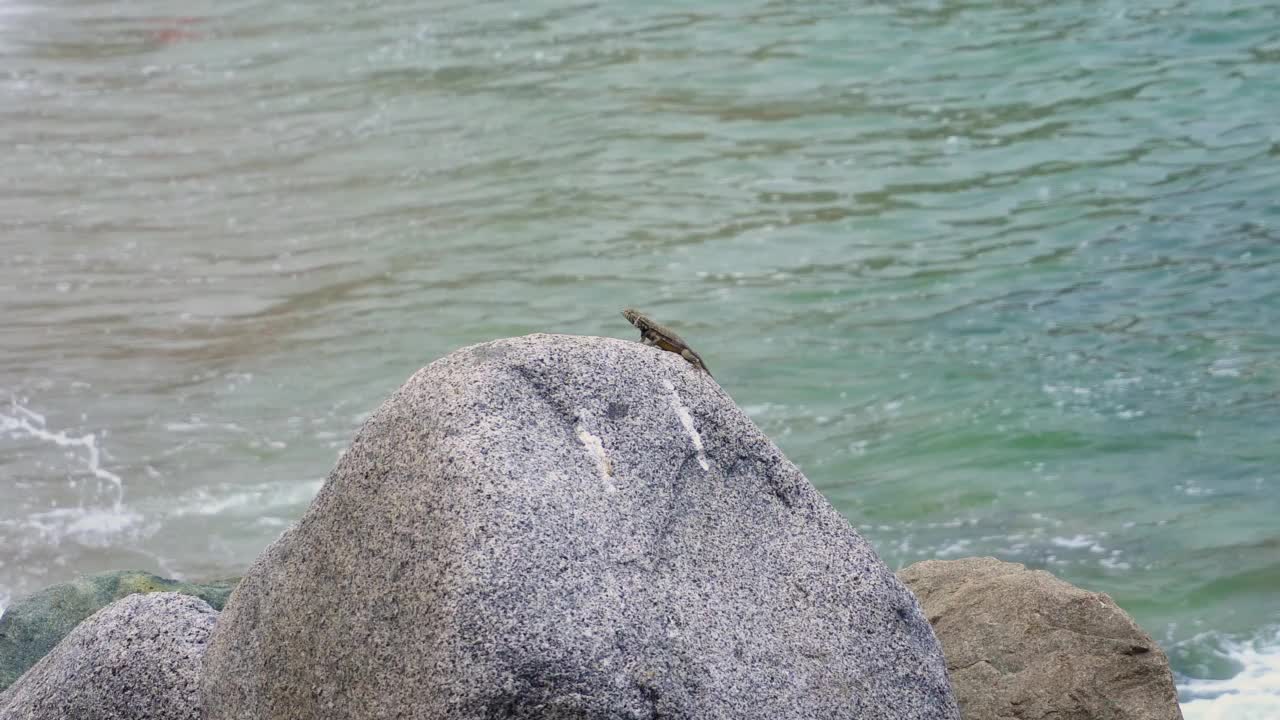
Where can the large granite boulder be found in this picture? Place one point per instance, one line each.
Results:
(139, 657)
(33, 625)
(1024, 645)
(570, 527)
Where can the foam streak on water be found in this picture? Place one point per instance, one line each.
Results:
(24, 421)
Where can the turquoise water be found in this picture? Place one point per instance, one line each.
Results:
(1002, 278)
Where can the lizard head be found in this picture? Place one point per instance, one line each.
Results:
(633, 316)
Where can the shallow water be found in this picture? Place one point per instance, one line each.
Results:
(1003, 279)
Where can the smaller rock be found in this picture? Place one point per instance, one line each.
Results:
(1022, 644)
(32, 626)
(139, 657)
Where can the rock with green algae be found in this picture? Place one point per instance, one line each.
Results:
(32, 626)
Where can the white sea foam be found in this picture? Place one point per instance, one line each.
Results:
(245, 501)
(23, 422)
(1079, 542)
(98, 523)
(87, 526)
(959, 547)
(1251, 694)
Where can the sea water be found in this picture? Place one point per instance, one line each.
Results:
(1001, 278)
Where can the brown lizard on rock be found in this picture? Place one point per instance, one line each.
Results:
(651, 333)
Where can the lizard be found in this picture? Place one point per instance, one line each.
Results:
(651, 333)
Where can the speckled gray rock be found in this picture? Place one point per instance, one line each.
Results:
(31, 626)
(570, 527)
(1024, 645)
(139, 657)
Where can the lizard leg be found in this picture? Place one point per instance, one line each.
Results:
(647, 340)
